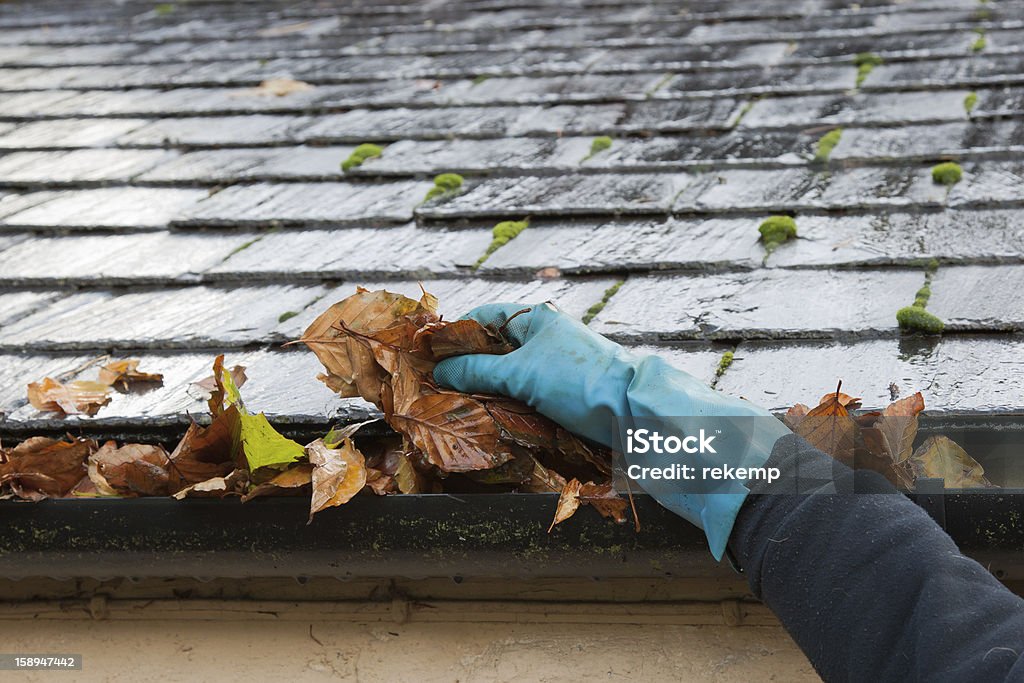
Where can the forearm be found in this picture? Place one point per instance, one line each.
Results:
(869, 586)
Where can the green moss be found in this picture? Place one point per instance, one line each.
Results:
(480, 79)
(444, 184)
(744, 110)
(917, 319)
(970, 101)
(776, 230)
(659, 85)
(502, 234)
(163, 9)
(599, 306)
(826, 143)
(448, 181)
(947, 173)
(365, 151)
(724, 363)
(923, 295)
(287, 315)
(980, 43)
(865, 63)
(598, 145)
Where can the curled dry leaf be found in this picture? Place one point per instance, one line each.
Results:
(204, 452)
(338, 474)
(942, 458)
(124, 373)
(899, 425)
(212, 387)
(74, 398)
(131, 470)
(289, 482)
(216, 487)
(605, 500)
(568, 503)
(602, 497)
(829, 428)
(41, 468)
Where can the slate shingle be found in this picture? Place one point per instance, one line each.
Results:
(106, 208)
(266, 204)
(956, 374)
(759, 304)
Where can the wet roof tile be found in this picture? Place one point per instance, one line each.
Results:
(153, 201)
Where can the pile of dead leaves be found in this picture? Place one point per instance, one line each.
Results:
(883, 441)
(383, 347)
(376, 345)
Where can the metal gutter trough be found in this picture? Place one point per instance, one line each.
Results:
(442, 535)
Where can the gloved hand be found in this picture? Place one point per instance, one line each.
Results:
(583, 381)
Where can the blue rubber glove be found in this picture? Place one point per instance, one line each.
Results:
(583, 381)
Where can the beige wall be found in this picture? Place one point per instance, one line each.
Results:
(181, 630)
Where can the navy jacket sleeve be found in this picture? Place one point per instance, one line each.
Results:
(868, 585)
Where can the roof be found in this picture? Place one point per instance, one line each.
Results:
(155, 203)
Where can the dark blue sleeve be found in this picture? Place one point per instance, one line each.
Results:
(869, 586)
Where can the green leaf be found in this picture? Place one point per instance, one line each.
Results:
(262, 445)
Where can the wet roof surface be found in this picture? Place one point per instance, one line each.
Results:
(154, 204)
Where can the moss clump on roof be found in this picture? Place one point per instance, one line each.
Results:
(286, 316)
(723, 364)
(599, 306)
(826, 143)
(865, 63)
(970, 101)
(947, 173)
(365, 151)
(502, 233)
(917, 319)
(776, 230)
(980, 43)
(444, 184)
(598, 145)
(164, 9)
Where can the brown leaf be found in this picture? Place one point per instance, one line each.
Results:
(338, 474)
(795, 414)
(204, 452)
(899, 424)
(455, 432)
(568, 503)
(872, 452)
(350, 360)
(216, 487)
(213, 385)
(73, 398)
(829, 428)
(124, 373)
(131, 470)
(40, 467)
(462, 337)
(288, 482)
(941, 457)
(605, 499)
(845, 400)
(543, 480)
